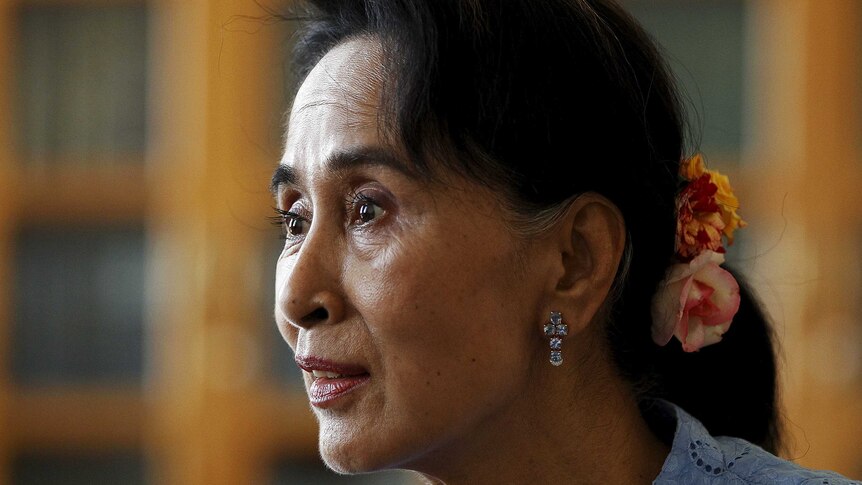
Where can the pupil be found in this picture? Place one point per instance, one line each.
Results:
(294, 226)
(366, 212)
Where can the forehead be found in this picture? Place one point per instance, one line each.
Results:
(352, 68)
(337, 103)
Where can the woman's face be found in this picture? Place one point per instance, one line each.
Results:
(410, 305)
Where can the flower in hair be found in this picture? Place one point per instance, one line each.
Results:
(706, 210)
(697, 299)
(696, 303)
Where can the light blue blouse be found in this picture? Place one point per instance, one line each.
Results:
(696, 457)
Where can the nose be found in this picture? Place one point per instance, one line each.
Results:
(308, 287)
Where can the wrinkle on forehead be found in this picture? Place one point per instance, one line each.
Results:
(348, 78)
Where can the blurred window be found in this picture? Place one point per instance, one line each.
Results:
(121, 469)
(82, 81)
(78, 305)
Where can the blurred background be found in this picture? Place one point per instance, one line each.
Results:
(137, 139)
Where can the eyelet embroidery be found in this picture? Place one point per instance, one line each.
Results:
(697, 446)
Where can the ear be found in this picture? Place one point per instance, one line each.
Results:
(591, 238)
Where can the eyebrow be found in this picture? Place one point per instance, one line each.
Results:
(341, 162)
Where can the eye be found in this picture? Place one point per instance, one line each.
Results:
(295, 225)
(365, 210)
(292, 225)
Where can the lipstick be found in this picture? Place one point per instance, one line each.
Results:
(331, 381)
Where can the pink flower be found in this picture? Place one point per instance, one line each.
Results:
(696, 302)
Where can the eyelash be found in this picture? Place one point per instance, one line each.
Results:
(353, 200)
(283, 217)
(282, 220)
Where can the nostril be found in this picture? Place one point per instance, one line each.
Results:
(317, 316)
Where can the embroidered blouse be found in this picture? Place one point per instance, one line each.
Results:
(697, 457)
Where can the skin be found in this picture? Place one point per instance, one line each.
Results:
(443, 304)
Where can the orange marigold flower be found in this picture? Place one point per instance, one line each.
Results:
(699, 225)
(706, 210)
(727, 204)
(692, 168)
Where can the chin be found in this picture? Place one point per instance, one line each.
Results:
(346, 461)
(352, 452)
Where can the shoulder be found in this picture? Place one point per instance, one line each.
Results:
(698, 457)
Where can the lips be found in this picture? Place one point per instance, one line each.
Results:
(332, 382)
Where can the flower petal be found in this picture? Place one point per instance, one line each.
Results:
(696, 302)
(667, 308)
(692, 168)
(693, 339)
(725, 296)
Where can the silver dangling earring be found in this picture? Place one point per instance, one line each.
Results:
(556, 330)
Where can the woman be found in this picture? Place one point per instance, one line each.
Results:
(492, 234)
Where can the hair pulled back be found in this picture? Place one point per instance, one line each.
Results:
(547, 100)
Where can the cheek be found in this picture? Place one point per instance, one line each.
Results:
(448, 319)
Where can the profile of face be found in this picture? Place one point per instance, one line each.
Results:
(413, 307)
(417, 290)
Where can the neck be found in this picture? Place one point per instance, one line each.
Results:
(578, 423)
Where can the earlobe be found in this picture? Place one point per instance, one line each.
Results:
(591, 242)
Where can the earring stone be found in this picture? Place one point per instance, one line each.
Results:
(556, 329)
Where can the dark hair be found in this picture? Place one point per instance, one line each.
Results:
(550, 99)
